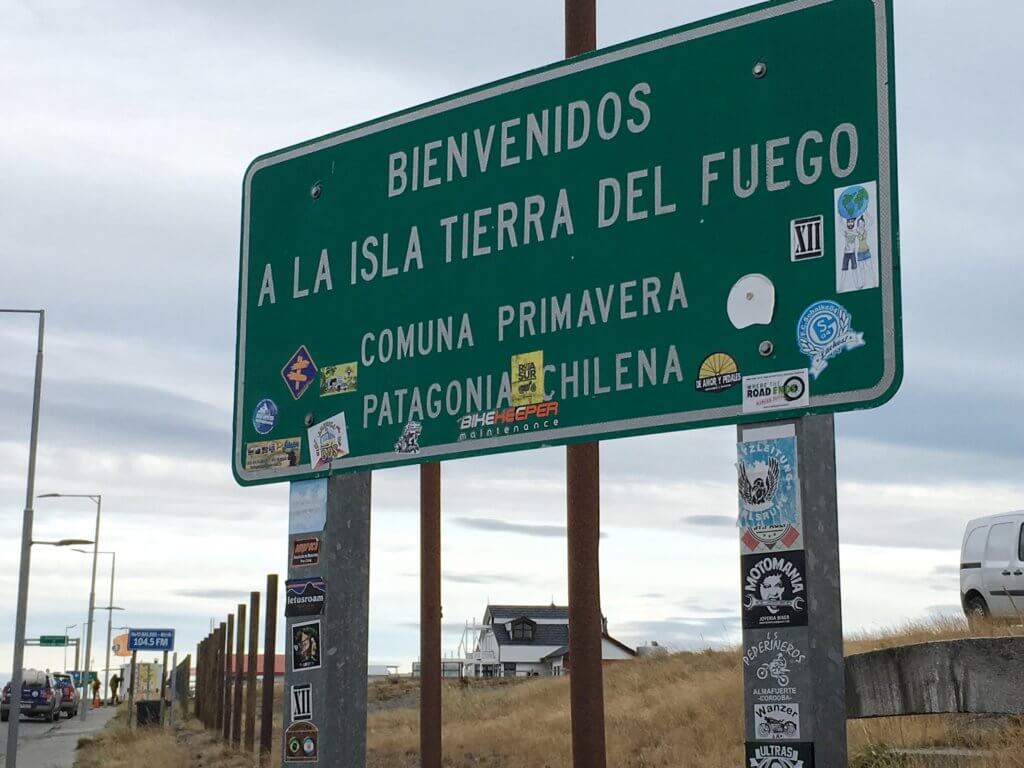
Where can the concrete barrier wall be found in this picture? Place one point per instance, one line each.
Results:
(975, 675)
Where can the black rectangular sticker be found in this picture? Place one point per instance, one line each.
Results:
(774, 590)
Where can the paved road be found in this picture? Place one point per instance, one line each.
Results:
(52, 745)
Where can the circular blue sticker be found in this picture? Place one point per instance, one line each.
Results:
(264, 418)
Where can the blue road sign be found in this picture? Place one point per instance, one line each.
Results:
(150, 639)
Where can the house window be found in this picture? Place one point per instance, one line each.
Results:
(522, 630)
(510, 669)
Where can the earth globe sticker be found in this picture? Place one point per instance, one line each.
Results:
(853, 201)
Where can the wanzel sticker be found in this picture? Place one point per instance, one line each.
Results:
(776, 391)
(774, 591)
(306, 552)
(780, 755)
(777, 721)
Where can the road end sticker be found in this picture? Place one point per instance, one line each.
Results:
(800, 755)
(264, 416)
(769, 494)
(306, 552)
(824, 331)
(328, 441)
(774, 590)
(806, 237)
(307, 506)
(528, 378)
(856, 237)
(717, 373)
(273, 454)
(305, 646)
(339, 379)
(304, 597)
(776, 391)
(299, 372)
(302, 702)
(301, 743)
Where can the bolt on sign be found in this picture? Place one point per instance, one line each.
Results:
(695, 228)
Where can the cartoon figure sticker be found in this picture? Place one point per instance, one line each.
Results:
(339, 379)
(769, 493)
(328, 441)
(264, 416)
(306, 645)
(856, 237)
(528, 378)
(717, 373)
(409, 442)
(823, 332)
(299, 372)
(774, 592)
(273, 454)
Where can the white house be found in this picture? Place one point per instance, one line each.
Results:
(525, 640)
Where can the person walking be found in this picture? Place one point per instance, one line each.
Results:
(115, 686)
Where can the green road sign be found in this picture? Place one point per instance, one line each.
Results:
(695, 228)
(57, 640)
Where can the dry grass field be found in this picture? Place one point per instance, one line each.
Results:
(674, 712)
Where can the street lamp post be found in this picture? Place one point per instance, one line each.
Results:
(110, 614)
(21, 613)
(92, 586)
(69, 626)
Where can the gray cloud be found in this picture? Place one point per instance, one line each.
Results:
(711, 521)
(524, 529)
(479, 578)
(213, 594)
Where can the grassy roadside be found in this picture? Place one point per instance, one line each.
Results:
(683, 710)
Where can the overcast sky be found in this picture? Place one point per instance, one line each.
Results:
(124, 133)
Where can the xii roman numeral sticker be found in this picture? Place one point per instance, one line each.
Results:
(302, 702)
(805, 238)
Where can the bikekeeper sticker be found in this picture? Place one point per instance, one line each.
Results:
(798, 755)
(774, 590)
(769, 490)
(823, 332)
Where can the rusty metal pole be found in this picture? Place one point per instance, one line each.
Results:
(238, 674)
(430, 615)
(582, 465)
(269, 657)
(250, 680)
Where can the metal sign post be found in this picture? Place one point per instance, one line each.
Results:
(794, 684)
(430, 615)
(327, 622)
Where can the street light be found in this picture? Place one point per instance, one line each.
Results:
(69, 626)
(110, 609)
(98, 499)
(21, 612)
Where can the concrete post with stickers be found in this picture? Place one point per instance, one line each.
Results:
(326, 616)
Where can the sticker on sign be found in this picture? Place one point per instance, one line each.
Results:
(781, 391)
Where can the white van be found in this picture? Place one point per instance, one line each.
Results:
(992, 567)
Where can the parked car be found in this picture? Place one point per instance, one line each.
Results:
(69, 694)
(992, 567)
(40, 697)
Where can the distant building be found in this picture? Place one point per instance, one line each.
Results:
(526, 640)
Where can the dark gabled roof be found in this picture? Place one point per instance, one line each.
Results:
(535, 612)
(557, 653)
(543, 634)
